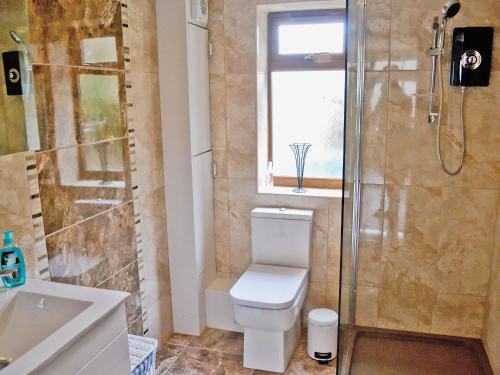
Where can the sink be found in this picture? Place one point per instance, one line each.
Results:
(52, 328)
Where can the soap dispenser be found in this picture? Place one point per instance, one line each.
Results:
(12, 265)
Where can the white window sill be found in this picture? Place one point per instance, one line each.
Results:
(281, 190)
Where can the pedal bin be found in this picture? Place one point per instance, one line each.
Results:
(322, 335)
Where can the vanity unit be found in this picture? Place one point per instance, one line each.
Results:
(49, 328)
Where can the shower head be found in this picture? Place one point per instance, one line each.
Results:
(16, 37)
(451, 9)
(24, 47)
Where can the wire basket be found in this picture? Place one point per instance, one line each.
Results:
(142, 355)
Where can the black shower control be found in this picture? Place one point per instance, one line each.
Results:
(471, 56)
(12, 72)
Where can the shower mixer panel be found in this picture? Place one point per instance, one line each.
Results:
(12, 72)
(471, 56)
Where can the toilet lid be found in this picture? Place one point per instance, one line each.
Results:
(269, 287)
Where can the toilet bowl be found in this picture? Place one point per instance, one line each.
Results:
(268, 297)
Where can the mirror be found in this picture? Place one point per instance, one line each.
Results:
(63, 95)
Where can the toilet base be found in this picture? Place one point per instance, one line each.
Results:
(270, 350)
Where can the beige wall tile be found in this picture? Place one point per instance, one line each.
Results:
(221, 213)
(154, 241)
(240, 35)
(411, 233)
(491, 324)
(374, 128)
(482, 163)
(367, 306)
(142, 36)
(408, 310)
(370, 245)
(378, 32)
(160, 319)
(217, 36)
(241, 126)
(218, 110)
(243, 198)
(411, 155)
(320, 245)
(334, 240)
(332, 296)
(148, 135)
(316, 298)
(411, 27)
(15, 207)
(458, 315)
(466, 240)
(219, 157)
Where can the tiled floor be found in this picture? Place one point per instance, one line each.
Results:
(221, 352)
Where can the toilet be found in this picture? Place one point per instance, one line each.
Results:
(268, 297)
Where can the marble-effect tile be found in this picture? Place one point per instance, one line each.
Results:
(78, 105)
(127, 280)
(220, 352)
(76, 256)
(58, 28)
(79, 182)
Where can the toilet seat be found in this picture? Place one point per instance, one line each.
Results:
(269, 287)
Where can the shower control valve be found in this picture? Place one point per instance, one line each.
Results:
(471, 60)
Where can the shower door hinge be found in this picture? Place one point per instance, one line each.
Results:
(210, 49)
(214, 169)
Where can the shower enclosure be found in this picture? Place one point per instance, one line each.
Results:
(419, 263)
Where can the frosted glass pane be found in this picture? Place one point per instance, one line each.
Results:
(311, 38)
(308, 107)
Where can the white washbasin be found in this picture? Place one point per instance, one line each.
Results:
(52, 328)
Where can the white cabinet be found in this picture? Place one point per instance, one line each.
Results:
(199, 107)
(184, 95)
(203, 207)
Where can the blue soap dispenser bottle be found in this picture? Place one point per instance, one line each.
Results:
(11, 258)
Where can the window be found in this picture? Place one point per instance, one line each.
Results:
(305, 89)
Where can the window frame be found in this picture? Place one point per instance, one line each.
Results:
(300, 62)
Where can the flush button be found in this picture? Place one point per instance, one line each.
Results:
(282, 209)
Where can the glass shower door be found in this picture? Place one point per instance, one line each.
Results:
(352, 173)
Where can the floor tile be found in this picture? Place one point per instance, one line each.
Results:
(302, 369)
(300, 357)
(221, 352)
(180, 339)
(194, 361)
(216, 339)
(166, 356)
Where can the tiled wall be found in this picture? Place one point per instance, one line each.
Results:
(16, 207)
(13, 14)
(84, 168)
(232, 29)
(491, 329)
(100, 171)
(427, 239)
(149, 160)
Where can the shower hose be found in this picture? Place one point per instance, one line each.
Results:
(451, 172)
